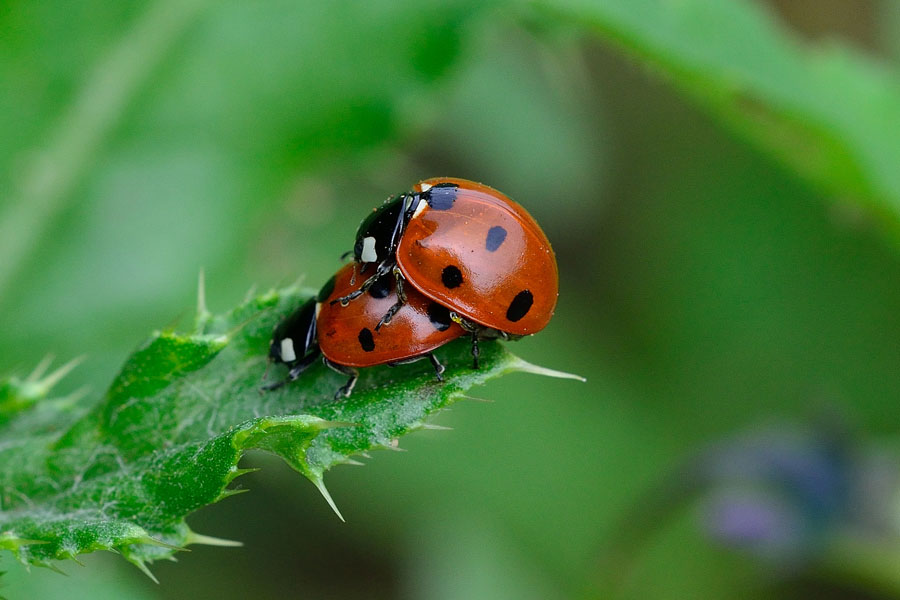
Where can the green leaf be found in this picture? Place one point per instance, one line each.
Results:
(829, 113)
(167, 436)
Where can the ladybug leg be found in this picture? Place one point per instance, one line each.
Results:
(401, 300)
(345, 390)
(389, 315)
(382, 270)
(398, 275)
(345, 300)
(474, 329)
(438, 367)
(295, 371)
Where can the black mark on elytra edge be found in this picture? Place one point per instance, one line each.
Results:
(520, 306)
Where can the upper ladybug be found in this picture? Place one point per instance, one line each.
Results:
(468, 247)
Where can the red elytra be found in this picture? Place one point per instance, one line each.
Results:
(347, 335)
(482, 255)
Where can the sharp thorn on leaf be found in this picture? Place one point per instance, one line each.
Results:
(434, 427)
(206, 540)
(319, 483)
(143, 567)
(527, 367)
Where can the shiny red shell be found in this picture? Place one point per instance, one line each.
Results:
(347, 336)
(483, 256)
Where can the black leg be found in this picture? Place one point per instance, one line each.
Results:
(389, 315)
(383, 269)
(398, 276)
(295, 371)
(475, 350)
(438, 367)
(345, 390)
(273, 386)
(345, 300)
(401, 300)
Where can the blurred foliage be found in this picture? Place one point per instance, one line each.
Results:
(829, 113)
(711, 275)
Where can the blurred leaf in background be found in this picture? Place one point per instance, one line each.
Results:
(829, 113)
(705, 170)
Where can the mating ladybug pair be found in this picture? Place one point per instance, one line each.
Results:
(450, 258)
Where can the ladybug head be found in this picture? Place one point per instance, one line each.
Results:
(379, 233)
(295, 335)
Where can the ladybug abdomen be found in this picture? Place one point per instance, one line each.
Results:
(483, 256)
(347, 335)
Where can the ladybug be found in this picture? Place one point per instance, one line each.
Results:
(468, 247)
(346, 338)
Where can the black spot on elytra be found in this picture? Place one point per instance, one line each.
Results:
(381, 288)
(451, 276)
(439, 316)
(520, 306)
(495, 237)
(326, 291)
(365, 339)
(442, 196)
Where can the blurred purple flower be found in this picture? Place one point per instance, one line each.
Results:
(750, 521)
(784, 494)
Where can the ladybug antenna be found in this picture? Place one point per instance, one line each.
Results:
(353, 277)
(346, 254)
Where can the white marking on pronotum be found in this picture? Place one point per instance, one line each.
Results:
(287, 350)
(420, 208)
(368, 252)
(425, 186)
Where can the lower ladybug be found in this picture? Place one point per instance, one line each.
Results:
(346, 337)
(468, 247)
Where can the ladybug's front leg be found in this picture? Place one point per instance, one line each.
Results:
(382, 270)
(295, 371)
(401, 300)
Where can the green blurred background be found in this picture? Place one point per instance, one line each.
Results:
(706, 285)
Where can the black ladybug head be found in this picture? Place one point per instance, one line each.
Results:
(377, 232)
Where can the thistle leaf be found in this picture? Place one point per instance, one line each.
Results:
(122, 472)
